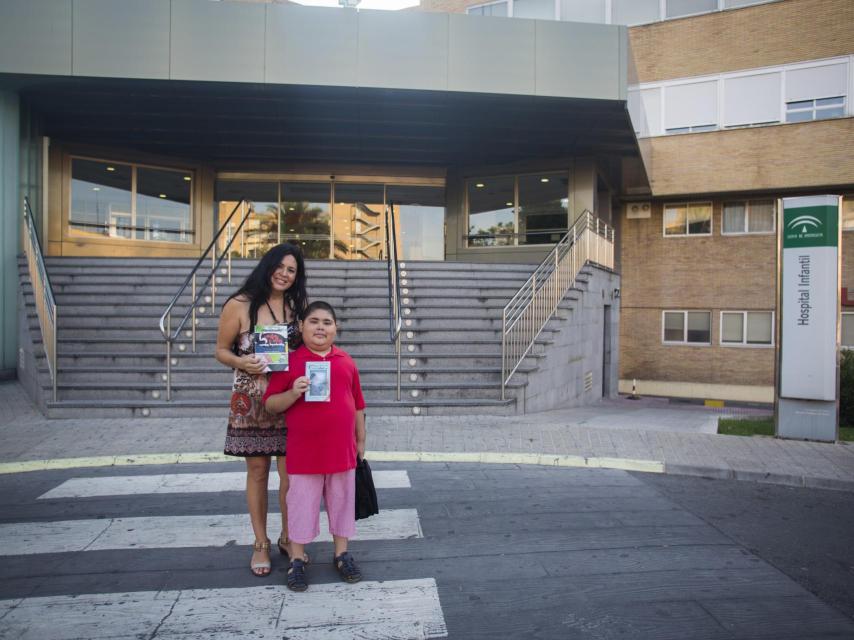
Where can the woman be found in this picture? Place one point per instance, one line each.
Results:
(274, 293)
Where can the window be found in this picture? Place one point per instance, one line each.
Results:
(847, 213)
(678, 8)
(687, 327)
(848, 329)
(754, 216)
(818, 109)
(492, 9)
(631, 12)
(538, 9)
(752, 100)
(691, 219)
(691, 107)
(583, 11)
(517, 210)
(130, 201)
(645, 111)
(747, 328)
(816, 93)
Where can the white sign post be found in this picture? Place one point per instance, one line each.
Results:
(808, 385)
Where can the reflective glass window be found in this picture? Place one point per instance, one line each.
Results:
(260, 232)
(491, 211)
(759, 327)
(699, 327)
(420, 218)
(732, 328)
(848, 330)
(674, 326)
(543, 207)
(694, 218)
(101, 199)
(163, 205)
(358, 221)
(306, 217)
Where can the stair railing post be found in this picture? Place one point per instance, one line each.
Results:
(169, 356)
(54, 356)
(193, 319)
(503, 350)
(397, 347)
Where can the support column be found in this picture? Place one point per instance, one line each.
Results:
(10, 231)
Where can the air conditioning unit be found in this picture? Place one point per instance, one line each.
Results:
(637, 210)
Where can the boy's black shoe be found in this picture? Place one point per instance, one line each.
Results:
(296, 576)
(347, 568)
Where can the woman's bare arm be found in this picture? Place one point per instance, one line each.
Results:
(230, 326)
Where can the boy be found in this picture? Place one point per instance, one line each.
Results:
(323, 441)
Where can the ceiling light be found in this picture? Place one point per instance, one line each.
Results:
(111, 168)
(480, 185)
(509, 204)
(96, 188)
(292, 209)
(162, 195)
(187, 178)
(544, 179)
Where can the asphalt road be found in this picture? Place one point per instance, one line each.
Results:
(460, 551)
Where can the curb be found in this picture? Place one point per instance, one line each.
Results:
(762, 477)
(533, 459)
(624, 464)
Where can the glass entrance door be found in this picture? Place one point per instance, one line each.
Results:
(333, 219)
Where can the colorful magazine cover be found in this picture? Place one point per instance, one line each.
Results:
(271, 345)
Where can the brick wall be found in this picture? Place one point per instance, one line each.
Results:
(692, 273)
(758, 36)
(788, 156)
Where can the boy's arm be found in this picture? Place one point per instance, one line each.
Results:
(279, 402)
(361, 433)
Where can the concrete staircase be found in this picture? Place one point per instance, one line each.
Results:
(111, 356)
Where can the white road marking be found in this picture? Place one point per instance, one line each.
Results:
(167, 532)
(396, 609)
(186, 483)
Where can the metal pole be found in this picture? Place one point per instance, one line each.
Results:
(228, 244)
(503, 348)
(193, 319)
(398, 366)
(169, 356)
(53, 342)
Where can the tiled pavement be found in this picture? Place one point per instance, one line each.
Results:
(648, 433)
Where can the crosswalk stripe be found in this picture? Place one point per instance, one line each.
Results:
(398, 609)
(165, 532)
(186, 483)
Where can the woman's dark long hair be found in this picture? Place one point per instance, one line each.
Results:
(257, 287)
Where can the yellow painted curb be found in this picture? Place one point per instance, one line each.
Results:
(487, 457)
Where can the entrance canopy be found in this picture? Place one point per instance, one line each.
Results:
(233, 125)
(261, 82)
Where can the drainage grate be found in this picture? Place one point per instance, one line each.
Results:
(588, 381)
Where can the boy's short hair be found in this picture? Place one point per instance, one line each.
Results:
(319, 304)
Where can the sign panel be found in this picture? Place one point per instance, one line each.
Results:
(809, 297)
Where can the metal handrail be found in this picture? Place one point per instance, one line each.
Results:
(395, 315)
(42, 292)
(170, 335)
(588, 240)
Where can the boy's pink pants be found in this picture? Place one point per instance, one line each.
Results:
(304, 493)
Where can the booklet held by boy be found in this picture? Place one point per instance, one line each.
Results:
(271, 345)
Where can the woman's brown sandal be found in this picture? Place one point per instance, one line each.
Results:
(261, 569)
(282, 543)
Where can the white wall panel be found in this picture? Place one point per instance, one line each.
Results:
(631, 12)
(689, 105)
(583, 11)
(826, 81)
(752, 99)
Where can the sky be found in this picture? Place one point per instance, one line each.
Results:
(364, 4)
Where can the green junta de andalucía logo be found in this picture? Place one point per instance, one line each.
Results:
(811, 226)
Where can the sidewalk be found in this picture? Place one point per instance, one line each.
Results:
(646, 435)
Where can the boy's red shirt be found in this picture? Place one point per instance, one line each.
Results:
(321, 435)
